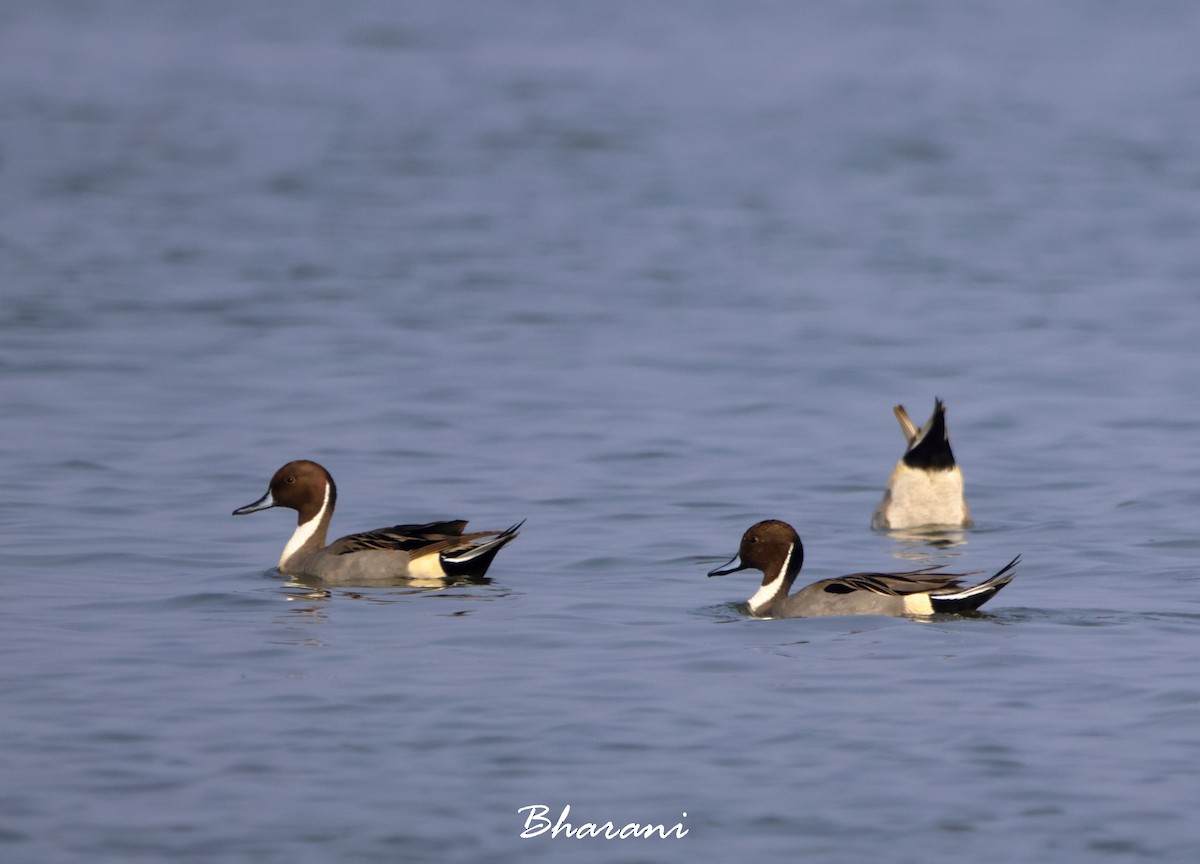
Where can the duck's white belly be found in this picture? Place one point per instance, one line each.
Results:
(917, 497)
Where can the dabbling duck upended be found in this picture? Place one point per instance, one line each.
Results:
(925, 488)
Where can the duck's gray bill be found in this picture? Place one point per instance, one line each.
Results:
(264, 503)
(733, 565)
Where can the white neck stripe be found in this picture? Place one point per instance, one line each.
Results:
(766, 593)
(304, 532)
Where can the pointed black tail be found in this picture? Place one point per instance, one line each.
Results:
(970, 599)
(473, 561)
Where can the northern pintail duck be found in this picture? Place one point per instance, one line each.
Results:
(926, 486)
(435, 549)
(774, 547)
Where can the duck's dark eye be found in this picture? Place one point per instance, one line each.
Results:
(291, 480)
(753, 539)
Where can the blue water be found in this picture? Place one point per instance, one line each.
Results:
(641, 274)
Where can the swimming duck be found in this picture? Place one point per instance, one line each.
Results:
(774, 547)
(434, 549)
(926, 486)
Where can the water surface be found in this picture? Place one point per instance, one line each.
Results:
(641, 275)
